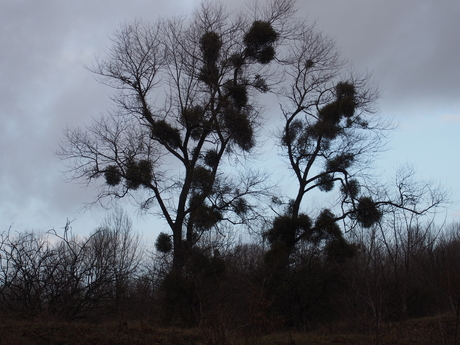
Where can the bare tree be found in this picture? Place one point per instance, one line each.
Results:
(185, 113)
(26, 262)
(330, 136)
(444, 273)
(61, 275)
(117, 251)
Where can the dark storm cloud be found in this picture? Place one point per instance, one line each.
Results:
(410, 46)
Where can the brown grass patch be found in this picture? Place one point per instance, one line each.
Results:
(432, 330)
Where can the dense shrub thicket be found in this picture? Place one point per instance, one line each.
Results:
(392, 276)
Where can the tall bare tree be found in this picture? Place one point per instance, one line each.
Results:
(185, 113)
(330, 135)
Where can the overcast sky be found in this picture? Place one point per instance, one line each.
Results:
(411, 47)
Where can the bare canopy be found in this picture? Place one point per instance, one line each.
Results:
(186, 110)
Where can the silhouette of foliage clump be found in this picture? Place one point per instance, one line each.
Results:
(259, 42)
(240, 127)
(351, 188)
(330, 115)
(240, 206)
(260, 84)
(346, 94)
(238, 94)
(139, 174)
(326, 182)
(288, 230)
(112, 175)
(326, 227)
(340, 162)
(210, 45)
(328, 124)
(167, 134)
(192, 116)
(163, 243)
(205, 217)
(367, 212)
(202, 179)
(211, 158)
(292, 132)
(193, 119)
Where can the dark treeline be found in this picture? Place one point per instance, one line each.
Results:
(392, 274)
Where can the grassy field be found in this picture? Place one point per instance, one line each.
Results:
(436, 330)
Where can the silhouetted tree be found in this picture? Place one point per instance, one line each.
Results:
(115, 252)
(330, 135)
(444, 275)
(53, 275)
(185, 105)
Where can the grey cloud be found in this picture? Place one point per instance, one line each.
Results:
(411, 46)
(43, 88)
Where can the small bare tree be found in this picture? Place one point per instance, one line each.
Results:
(67, 276)
(26, 265)
(117, 251)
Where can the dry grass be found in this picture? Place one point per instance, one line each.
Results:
(434, 330)
(56, 333)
